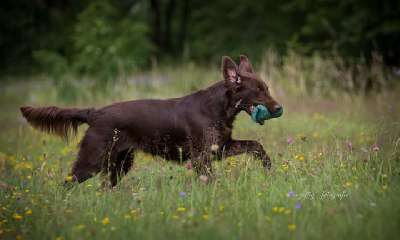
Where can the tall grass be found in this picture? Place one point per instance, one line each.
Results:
(293, 74)
(335, 166)
(326, 76)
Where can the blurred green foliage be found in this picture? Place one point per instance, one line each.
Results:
(108, 44)
(109, 38)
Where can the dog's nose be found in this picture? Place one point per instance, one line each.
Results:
(277, 108)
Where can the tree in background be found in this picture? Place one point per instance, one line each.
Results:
(352, 28)
(111, 39)
(108, 37)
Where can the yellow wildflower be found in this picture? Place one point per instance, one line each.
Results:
(347, 184)
(285, 167)
(28, 212)
(23, 165)
(221, 208)
(68, 178)
(287, 211)
(105, 221)
(299, 157)
(292, 227)
(65, 151)
(181, 209)
(135, 211)
(17, 217)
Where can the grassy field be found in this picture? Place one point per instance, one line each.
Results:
(335, 174)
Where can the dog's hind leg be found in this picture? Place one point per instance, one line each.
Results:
(90, 158)
(121, 166)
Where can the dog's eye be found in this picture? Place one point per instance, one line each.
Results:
(259, 89)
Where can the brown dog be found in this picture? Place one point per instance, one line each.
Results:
(196, 127)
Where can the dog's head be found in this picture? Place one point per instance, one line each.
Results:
(247, 89)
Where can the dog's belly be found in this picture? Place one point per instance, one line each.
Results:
(171, 144)
(168, 148)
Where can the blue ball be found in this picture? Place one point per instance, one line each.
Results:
(260, 113)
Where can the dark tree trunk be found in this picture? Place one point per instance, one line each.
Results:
(156, 23)
(168, 26)
(183, 25)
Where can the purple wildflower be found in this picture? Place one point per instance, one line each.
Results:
(182, 194)
(375, 147)
(297, 205)
(291, 194)
(290, 140)
(349, 145)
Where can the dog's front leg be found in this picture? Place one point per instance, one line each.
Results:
(236, 147)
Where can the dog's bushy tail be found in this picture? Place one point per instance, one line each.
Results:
(59, 121)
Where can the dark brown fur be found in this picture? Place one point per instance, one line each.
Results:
(197, 126)
(55, 120)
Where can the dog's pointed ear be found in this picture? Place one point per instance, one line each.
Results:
(245, 65)
(229, 69)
